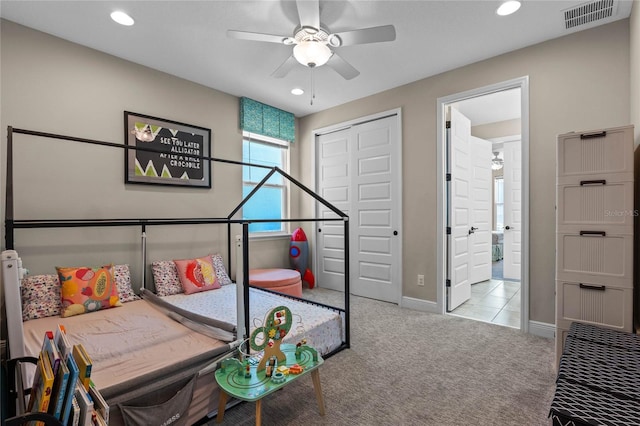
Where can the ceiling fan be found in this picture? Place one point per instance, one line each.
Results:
(312, 44)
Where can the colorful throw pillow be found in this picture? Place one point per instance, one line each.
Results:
(87, 290)
(40, 296)
(197, 274)
(221, 272)
(165, 278)
(123, 282)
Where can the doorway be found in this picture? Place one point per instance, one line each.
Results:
(483, 211)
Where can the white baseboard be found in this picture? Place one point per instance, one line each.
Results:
(420, 305)
(542, 329)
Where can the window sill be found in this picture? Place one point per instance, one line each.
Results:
(269, 235)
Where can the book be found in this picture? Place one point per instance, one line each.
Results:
(49, 346)
(62, 342)
(98, 420)
(74, 418)
(99, 403)
(84, 364)
(85, 403)
(67, 409)
(43, 385)
(59, 390)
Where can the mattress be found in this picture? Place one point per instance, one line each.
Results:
(321, 327)
(136, 349)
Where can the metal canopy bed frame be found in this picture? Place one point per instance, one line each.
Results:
(242, 274)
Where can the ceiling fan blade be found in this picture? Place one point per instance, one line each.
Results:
(245, 35)
(309, 13)
(367, 35)
(285, 67)
(342, 67)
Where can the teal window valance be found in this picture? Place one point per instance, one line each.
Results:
(256, 117)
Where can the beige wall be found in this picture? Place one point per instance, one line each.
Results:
(51, 85)
(569, 90)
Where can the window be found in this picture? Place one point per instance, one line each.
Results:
(498, 203)
(272, 200)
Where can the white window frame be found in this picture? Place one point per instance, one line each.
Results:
(285, 229)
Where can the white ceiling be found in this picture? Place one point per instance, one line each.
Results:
(188, 39)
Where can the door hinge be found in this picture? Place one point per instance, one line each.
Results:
(447, 125)
(448, 177)
(448, 283)
(448, 230)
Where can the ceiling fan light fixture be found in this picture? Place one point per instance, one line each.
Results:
(496, 162)
(508, 7)
(312, 53)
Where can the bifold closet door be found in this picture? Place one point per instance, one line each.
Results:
(358, 171)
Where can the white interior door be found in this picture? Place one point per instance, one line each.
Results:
(359, 172)
(481, 211)
(375, 219)
(459, 286)
(512, 210)
(333, 154)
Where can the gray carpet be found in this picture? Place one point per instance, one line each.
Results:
(407, 367)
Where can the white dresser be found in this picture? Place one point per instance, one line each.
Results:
(594, 230)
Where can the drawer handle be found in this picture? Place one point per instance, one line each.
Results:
(593, 287)
(597, 233)
(593, 135)
(593, 182)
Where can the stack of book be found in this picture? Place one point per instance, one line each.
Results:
(62, 383)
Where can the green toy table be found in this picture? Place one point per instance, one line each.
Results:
(232, 381)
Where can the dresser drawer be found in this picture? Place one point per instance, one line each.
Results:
(595, 202)
(599, 257)
(595, 152)
(595, 304)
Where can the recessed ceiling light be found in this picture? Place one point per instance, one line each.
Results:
(508, 7)
(122, 18)
(297, 91)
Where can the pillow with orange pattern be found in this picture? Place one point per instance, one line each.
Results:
(197, 274)
(86, 289)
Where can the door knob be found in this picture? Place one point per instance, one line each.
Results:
(474, 229)
(395, 232)
(507, 227)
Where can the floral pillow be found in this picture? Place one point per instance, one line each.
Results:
(123, 283)
(221, 272)
(40, 296)
(87, 290)
(165, 278)
(197, 274)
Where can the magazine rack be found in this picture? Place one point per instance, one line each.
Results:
(17, 392)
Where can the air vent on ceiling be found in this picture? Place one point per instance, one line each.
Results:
(589, 12)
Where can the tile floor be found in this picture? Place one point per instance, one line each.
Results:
(494, 301)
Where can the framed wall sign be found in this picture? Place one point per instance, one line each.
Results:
(167, 152)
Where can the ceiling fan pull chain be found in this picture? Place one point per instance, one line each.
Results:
(313, 87)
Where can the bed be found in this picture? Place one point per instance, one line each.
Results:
(322, 328)
(132, 365)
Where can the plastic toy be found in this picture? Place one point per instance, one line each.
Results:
(296, 369)
(299, 256)
(270, 335)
